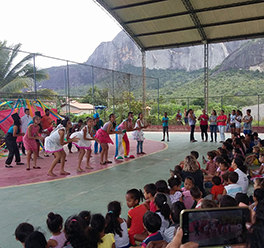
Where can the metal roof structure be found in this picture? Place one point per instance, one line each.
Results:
(161, 24)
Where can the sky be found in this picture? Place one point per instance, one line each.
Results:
(63, 29)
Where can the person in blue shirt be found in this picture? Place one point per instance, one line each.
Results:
(165, 126)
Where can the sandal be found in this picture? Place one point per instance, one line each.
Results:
(80, 170)
(88, 167)
(51, 174)
(65, 173)
(28, 169)
(108, 162)
(8, 166)
(36, 167)
(102, 163)
(46, 155)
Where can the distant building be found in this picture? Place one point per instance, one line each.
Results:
(77, 108)
(254, 111)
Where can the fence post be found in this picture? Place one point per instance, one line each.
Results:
(68, 88)
(113, 83)
(93, 84)
(129, 91)
(258, 110)
(158, 102)
(34, 72)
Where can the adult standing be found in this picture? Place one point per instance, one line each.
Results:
(232, 121)
(203, 118)
(247, 119)
(192, 121)
(185, 117)
(165, 126)
(10, 140)
(121, 137)
(221, 123)
(46, 122)
(213, 126)
(98, 125)
(191, 169)
(24, 124)
(178, 118)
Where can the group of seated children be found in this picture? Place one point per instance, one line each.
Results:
(156, 220)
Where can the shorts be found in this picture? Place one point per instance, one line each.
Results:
(185, 120)
(247, 131)
(232, 125)
(165, 129)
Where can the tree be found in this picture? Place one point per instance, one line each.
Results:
(15, 77)
(100, 96)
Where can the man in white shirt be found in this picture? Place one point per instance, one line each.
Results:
(24, 124)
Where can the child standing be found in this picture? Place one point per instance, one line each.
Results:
(135, 214)
(149, 194)
(187, 198)
(138, 133)
(232, 188)
(103, 137)
(175, 188)
(84, 144)
(29, 142)
(54, 223)
(218, 189)
(165, 126)
(116, 225)
(152, 223)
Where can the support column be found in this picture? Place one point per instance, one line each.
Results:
(93, 84)
(144, 82)
(206, 55)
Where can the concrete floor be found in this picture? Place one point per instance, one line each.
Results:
(31, 203)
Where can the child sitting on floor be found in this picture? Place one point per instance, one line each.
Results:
(175, 188)
(217, 189)
(149, 194)
(197, 196)
(196, 155)
(135, 214)
(253, 159)
(54, 223)
(211, 167)
(187, 198)
(232, 188)
(152, 223)
(23, 231)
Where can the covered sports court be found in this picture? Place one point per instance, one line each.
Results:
(153, 24)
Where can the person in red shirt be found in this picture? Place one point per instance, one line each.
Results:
(217, 189)
(221, 123)
(46, 120)
(203, 118)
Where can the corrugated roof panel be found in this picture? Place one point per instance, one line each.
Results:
(212, 3)
(150, 10)
(237, 13)
(162, 25)
(172, 38)
(238, 29)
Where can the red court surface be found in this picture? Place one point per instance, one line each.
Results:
(18, 175)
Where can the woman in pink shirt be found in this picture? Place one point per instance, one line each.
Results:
(203, 118)
(221, 123)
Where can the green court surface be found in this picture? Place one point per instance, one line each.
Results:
(31, 203)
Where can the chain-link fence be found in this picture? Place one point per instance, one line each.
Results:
(110, 91)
